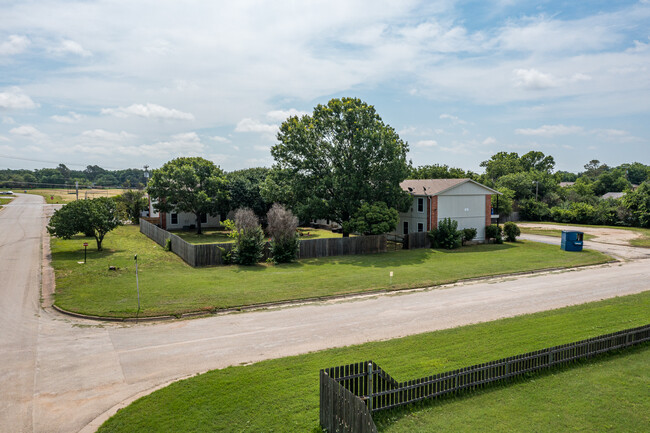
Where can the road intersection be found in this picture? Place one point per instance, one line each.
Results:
(62, 374)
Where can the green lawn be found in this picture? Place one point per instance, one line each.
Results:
(281, 395)
(642, 241)
(6, 199)
(209, 236)
(169, 286)
(216, 236)
(549, 232)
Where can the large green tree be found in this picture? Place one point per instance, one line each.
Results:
(339, 157)
(94, 217)
(244, 190)
(189, 184)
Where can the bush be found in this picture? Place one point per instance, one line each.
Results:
(373, 219)
(282, 225)
(494, 232)
(469, 234)
(446, 235)
(533, 210)
(511, 231)
(249, 237)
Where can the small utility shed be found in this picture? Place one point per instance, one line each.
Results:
(463, 200)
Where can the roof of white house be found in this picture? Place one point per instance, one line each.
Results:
(431, 187)
(612, 195)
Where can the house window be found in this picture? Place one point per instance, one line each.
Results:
(420, 205)
(420, 227)
(174, 218)
(204, 218)
(406, 227)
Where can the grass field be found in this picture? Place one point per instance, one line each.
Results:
(169, 286)
(281, 395)
(215, 236)
(550, 232)
(642, 241)
(63, 195)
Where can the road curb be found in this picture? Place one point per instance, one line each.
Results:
(313, 300)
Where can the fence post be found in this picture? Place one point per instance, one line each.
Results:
(371, 388)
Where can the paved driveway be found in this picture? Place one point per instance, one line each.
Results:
(58, 374)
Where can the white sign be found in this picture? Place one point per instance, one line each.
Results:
(391, 273)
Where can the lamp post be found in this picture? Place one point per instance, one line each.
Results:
(85, 251)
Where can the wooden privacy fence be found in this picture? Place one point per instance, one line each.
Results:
(417, 240)
(377, 390)
(212, 254)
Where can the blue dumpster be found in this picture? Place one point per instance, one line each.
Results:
(571, 241)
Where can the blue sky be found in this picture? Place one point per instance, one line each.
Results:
(127, 83)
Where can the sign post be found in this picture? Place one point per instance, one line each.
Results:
(85, 251)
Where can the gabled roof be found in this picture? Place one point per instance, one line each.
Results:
(431, 187)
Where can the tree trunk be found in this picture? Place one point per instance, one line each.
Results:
(346, 234)
(99, 242)
(198, 224)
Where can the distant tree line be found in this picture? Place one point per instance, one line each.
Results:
(62, 176)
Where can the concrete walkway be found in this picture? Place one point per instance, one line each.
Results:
(62, 373)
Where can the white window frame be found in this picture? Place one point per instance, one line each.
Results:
(173, 217)
(420, 204)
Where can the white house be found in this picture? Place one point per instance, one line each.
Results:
(463, 200)
(181, 220)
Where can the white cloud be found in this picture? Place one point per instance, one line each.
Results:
(14, 44)
(616, 135)
(14, 98)
(489, 141)
(8, 120)
(3, 138)
(455, 120)
(148, 110)
(30, 132)
(70, 47)
(103, 135)
(533, 79)
(251, 125)
(219, 139)
(550, 130)
(426, 143)
(72, 117)
(282, 115)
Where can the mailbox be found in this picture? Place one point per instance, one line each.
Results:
(572, 241)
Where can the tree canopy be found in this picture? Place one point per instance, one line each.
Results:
(94, 217)
(339, 157)
(189, 184)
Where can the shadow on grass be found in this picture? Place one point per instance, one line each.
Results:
(386, 418)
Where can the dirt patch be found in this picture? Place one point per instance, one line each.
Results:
(602, 234)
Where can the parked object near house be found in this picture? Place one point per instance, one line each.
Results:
(462, 200)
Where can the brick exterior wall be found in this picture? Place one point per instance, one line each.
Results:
(434, 212)
(488, 209)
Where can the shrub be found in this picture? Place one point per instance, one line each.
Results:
(533, 210)
(446, 235)
(511, 231)
(373, 219)
(469, 234)
(493, 232)
(282, 225)
(249, 237)
(583, 213)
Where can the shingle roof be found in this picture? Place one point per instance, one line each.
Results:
(435, 186)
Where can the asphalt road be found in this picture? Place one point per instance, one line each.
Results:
(59, 374)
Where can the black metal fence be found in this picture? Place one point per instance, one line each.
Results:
(379, 391)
